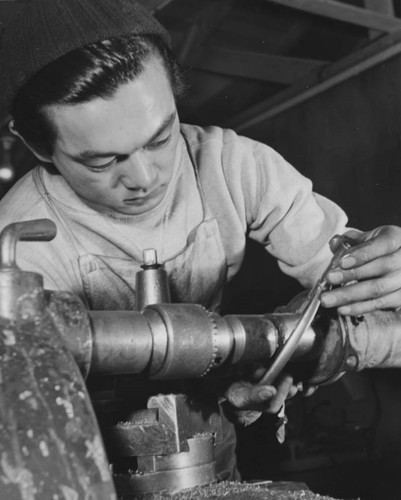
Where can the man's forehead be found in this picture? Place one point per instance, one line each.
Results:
(97, 145)
(139, 110)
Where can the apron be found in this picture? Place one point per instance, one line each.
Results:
(196, 275)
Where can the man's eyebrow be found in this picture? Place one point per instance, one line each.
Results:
(166, 124)
(90, 154)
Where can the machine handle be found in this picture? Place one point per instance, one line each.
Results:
(340, 245)
(30, 230)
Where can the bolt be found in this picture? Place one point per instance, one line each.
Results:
(352, 362)
(149, 256)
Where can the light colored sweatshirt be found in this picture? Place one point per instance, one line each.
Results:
(246, 186)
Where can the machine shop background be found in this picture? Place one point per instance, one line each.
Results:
(319, 81)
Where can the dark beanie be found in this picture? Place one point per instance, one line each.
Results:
(48, 29)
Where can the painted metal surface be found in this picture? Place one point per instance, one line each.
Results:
(50, 444)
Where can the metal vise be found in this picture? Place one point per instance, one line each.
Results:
(49, 436)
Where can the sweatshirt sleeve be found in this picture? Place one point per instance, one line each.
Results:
(282, 212)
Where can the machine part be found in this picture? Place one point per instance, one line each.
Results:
(171, 419)
(184, 330)
(324, 362)
(374, 341)
(341, 244)
(195, 467)
(152, 286)
(255, 490)
(122, 342)
(258, 337)
(21, 293)
(173, 341)
(50, 444)
(173, 443)
(168, 341)
(71, 320)
(351, 343)
(170, 445)
(36, 230)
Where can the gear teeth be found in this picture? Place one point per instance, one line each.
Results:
(214, 329)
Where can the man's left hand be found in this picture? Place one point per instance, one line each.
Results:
(250, 400)
(373, 270)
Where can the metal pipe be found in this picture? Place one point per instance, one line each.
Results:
(35, 230)
(151, 283)
(122, 342)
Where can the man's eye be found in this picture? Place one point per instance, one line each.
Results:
(158, 144)
(104, 166)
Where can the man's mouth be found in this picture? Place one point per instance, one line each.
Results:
(140, 200)
(144, 198)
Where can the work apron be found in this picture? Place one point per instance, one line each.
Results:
(196, 275)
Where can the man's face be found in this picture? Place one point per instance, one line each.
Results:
(118, 153)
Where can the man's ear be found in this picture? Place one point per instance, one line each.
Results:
(39, 154)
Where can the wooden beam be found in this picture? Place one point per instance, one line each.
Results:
(154, 5)
(334, 74)
(199, 31)
(9, 9)
(193, 37)
(254, 65)
(190, 12)
(204, 89)
(385, 7)
(343, 12)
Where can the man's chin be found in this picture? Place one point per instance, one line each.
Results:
(128, 208)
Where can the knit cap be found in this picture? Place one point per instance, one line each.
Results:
(47, 29)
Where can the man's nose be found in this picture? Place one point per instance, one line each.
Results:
(137, 173)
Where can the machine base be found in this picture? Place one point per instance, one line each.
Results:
(258, 490)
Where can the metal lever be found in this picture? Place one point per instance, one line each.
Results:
(32, 230)
(340, 244)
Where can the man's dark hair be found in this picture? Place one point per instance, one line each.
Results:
(94, 71)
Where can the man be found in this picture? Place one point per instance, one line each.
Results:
(92, 87)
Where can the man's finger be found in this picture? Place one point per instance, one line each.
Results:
(377, 243)
(391, 301)
(375, 289)
(285, 389)
(378, 267)
(246, 395)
